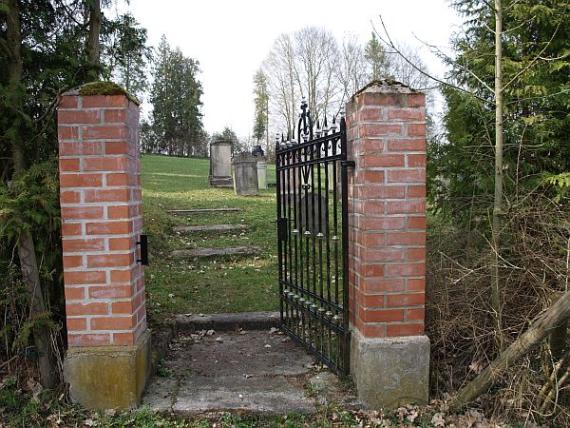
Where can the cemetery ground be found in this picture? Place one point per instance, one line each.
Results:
(188, 285)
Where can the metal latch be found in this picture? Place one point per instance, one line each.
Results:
(143, 243)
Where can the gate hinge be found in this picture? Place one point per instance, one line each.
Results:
(348, 163)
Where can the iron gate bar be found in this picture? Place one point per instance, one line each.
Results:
(312, 312)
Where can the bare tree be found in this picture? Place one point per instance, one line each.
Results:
(400, 69)
(316, 52)
(351, 70)
(281, 70)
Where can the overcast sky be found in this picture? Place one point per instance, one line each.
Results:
(230, 38)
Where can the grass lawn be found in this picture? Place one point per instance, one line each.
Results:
(211, 285)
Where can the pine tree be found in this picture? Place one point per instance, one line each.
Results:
(261, 101)
(376, 58)
(176, 119)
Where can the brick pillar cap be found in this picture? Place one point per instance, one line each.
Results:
(386, 86)
(101, 88)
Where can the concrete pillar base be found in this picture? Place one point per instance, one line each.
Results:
(389, 372)
(108, 377)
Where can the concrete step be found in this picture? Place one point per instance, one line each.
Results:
(210, 228)
(227, 321)
(217, 252)
(193, 211)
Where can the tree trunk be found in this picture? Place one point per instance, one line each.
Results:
(26, 249)
(541, 327)
(93, 47)
(498, 202)
(42, 334)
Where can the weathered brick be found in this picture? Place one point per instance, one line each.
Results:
(68, 102)
(69, 164)
(108, 260)
(404, 329)
(71, 262)
(69, 196)
(123, 339)
(76, 324)
(89, 277)
(107, 195)
(383, 160)
(112, 323)
(105, 164)
(108, 101)
(404, 269)
(407, 145)
(416, 175)
(88, 339)
(78, 117)
(382, 315)
(106, 132)
(405, 300)
(76, 245)
(113, 291)
(110, 228)
(80, 213)
(86, 309)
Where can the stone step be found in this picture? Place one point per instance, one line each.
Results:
(210, 228)
(227, 321)
(204, 211)
(217, 252)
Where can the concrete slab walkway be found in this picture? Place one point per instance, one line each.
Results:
(193, 211)
(257, 371)
(217, 252)
(209, 228)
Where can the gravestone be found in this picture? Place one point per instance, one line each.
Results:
(309, 220)
(261, 173)
(220, 163)
(245, 175)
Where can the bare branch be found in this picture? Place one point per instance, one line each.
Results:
(388, 41)
(438, 52)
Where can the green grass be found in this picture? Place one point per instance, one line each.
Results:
(205, 286)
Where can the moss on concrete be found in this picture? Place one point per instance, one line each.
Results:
(106, 88)
(108, 377)
(390, 372)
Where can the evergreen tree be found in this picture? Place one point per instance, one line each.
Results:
(376, 58)
(536, 66)
(176, 93)
(126, 54)
(261, 101)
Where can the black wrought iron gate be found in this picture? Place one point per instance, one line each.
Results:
(312, 205)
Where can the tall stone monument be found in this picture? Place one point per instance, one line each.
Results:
(220, 163)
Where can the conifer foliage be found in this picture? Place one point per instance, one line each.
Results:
(175, 126)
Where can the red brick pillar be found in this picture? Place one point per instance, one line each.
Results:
(107, 360)
(387, 229)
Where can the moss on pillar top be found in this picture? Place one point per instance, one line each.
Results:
(387, 86)
(103, 88)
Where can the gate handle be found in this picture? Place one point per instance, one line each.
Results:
(143, 243)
